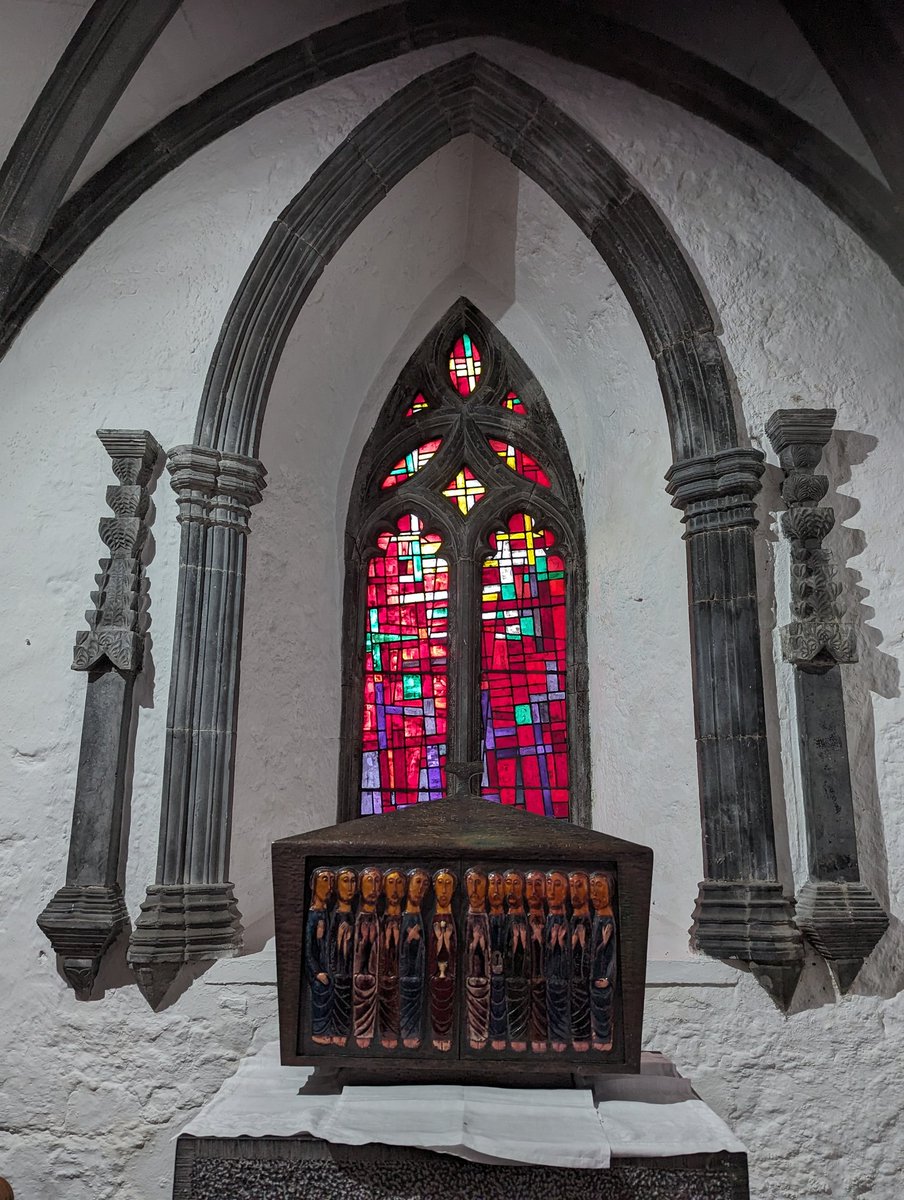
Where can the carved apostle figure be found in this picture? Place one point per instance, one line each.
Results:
(536, 923)
(477, 941)
(558, 961)
(367, 958)
(498, 1018)
(413, 960)
(602, 961)
(341, 953)
(516, 961)
(394, 886)
(317, 959)
(580, 931)
(441, 957)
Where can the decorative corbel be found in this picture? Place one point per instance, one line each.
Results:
(838, 913)
(85, 917)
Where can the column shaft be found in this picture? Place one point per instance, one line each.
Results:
(190, 912)
(741, 910)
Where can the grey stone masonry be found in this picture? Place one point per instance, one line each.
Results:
(190, 913)
(85, 917)
(838, 913)
(741, 911)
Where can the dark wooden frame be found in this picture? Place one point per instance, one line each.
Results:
(471, 829)
(464, 425)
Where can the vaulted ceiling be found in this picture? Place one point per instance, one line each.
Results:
(98, 101)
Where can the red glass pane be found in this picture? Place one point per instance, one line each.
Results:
(411, 463)
(520, 461)
(464, 365)
(523, 665)
(405, 648)
(418, 404)
(513, 402)
(465, 490)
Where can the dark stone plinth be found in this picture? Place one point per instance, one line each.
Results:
(82, 923)
(288, 1169)
(751, 922)
(179, 924)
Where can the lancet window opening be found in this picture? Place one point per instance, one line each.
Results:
(464, 638)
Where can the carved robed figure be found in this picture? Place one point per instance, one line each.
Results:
(462, 938)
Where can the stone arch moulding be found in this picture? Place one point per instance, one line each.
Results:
(190, 913)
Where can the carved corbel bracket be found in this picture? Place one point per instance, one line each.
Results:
(86, 916)
(839, 914)
(818, 633)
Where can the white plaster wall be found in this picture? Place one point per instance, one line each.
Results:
(93, 1093)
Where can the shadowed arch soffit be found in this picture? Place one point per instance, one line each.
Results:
(472, 95)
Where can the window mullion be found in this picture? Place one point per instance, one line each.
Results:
(463, 764)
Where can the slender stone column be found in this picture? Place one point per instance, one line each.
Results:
(190, 913)
(741, 910)
(85, 917)
(838, 913)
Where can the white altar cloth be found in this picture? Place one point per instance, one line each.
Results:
(561, 1127)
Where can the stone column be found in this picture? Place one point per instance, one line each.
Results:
(85, 917)
(190, 913)
(741, 912)
(838, 913)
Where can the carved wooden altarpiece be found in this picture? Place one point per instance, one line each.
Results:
(461, 939)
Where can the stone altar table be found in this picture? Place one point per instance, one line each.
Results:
(258, 1138)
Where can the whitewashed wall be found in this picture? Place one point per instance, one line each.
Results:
(92, 1093)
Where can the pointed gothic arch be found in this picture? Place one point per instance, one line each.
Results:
(479, 505)
(190, 912)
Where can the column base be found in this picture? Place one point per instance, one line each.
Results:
(844, 921)
(751, 922)
(182, 923)
(82, 923)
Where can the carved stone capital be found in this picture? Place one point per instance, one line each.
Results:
(845, 923)
(215, 488)
(115, 621)
(751, 922)
(81, 924)
(193, 475)
(716, 491)
(815, 639)
(134, 453)
(798, 435)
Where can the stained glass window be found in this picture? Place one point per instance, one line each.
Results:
(464, 490)
(520, 461)
(464, 615)
(418, 404)
(522, 681)
(464, 365)
(404, 725)
(411, 463)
